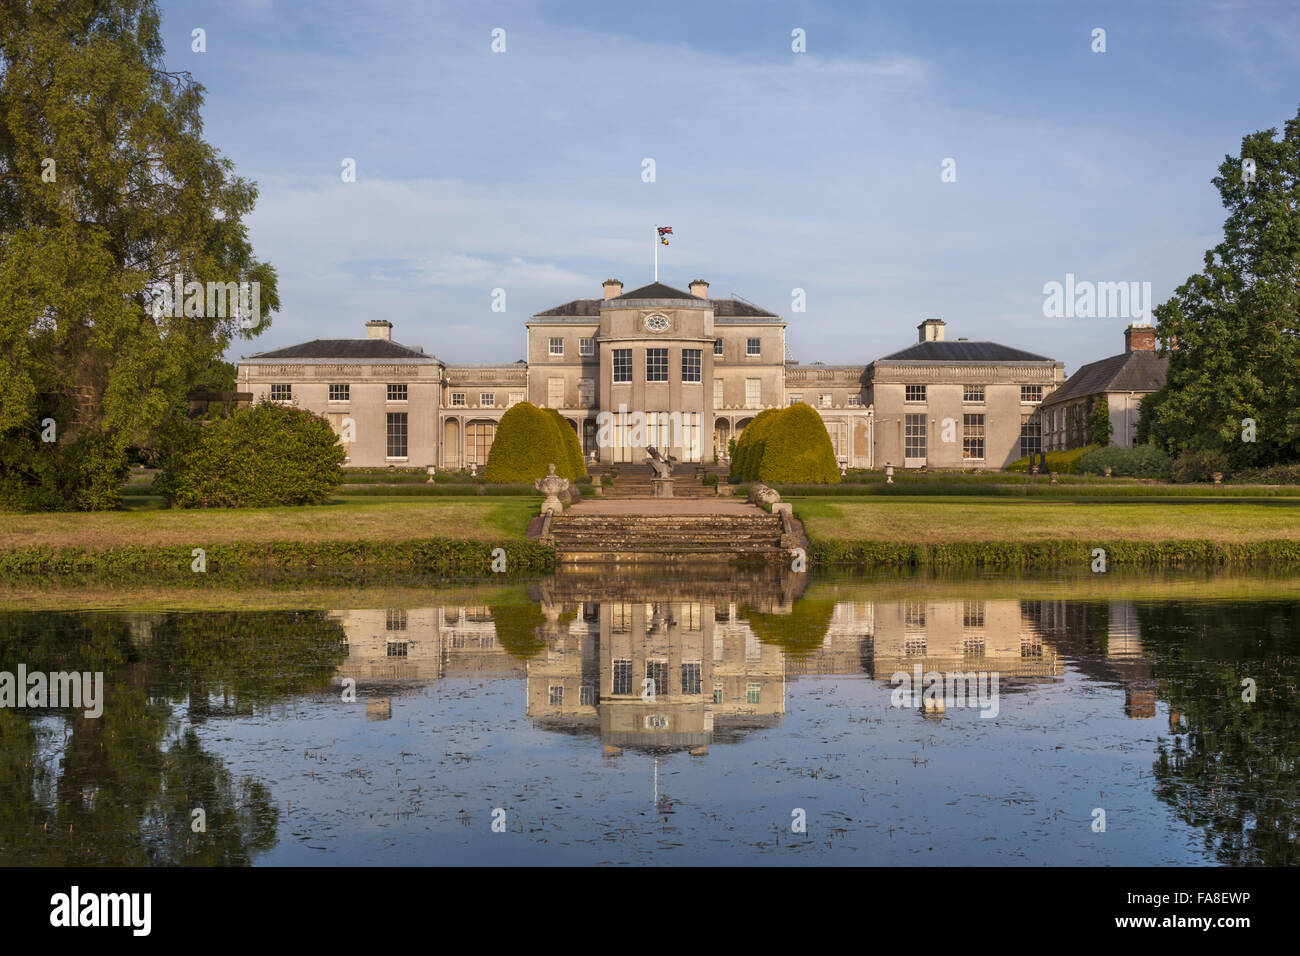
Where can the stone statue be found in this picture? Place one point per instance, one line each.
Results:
(662, 465)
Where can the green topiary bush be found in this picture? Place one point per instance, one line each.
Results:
(270, 454)
(1273, 475)
(1140, 461)
(526, 443)
(749, 448)
(572, 446)
(797, 448)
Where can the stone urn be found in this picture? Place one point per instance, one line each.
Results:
(1218, 477)
(1108, 471)
(551, 485)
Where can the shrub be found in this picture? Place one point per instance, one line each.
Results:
(83, 474)
(1140, 461)
(749, 449)
(526, 443)
(797, 448)
(711, 479)
(1273, 475)
(270, 454)
(569, 442)
(1199, 465)
(1063, 462)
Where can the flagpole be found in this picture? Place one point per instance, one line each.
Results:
(654, 239)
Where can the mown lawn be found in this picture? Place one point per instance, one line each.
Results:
(932, 520)
(369, 518)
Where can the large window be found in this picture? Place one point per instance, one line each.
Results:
(622, 677)
(622, 365)
(281, 393)
(397, 434)
(914, 436)
(487, 399)
(340, 393)
(972, 437)
(753, 347)
(586, 346)
(1031, 439)
(397, 393)
(914, 393)
(457, 399)
(753, 392)
(557, 345)
(717, 393)
(1031, 394)
(691, 678)
(657, 671)
(656, 365)
(691, 365)
(717, 346)
(973, 393)
(478, 442)
(824, 400)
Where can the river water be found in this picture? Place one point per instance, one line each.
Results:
(599, 719)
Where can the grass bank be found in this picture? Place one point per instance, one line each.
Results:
(367, 536)
(968, 532)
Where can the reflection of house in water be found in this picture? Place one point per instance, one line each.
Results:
(390, 650)
(1105, 641)
(593, 644)
(657, 674)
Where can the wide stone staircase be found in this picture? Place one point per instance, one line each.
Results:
(634, 481)
(675, 538)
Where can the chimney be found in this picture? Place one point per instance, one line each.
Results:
(1139, 338)
(931, 330)
(612, 288)
(699, 288)
(379, 329)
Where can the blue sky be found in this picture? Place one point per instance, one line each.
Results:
(819, 171)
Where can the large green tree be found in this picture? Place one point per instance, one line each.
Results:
(107, 191)
(1233, 329)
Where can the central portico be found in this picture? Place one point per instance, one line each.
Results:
(665, 366)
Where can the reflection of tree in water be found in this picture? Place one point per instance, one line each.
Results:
(1233, 771)
(799, 633)
(119, 790)
(521, 626)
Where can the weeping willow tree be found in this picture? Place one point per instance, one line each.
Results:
(108, 196)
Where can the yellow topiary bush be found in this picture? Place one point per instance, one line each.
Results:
(749, 448)
(572, 446)
(526, 442)
(797, 449)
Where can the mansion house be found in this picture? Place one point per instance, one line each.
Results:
(696, 369)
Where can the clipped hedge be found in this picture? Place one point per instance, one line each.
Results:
(270, 454)
(527, 442)
(1010, 554)
(1140, 461)
(798, 448)
(277, 558)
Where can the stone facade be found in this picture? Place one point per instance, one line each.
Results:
(1122, 380)
(659, 366)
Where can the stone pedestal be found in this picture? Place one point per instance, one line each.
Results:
(662, 487)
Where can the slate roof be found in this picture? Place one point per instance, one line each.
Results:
(722, 308)
(1139, 371)
(363, 349)
(963, 352)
